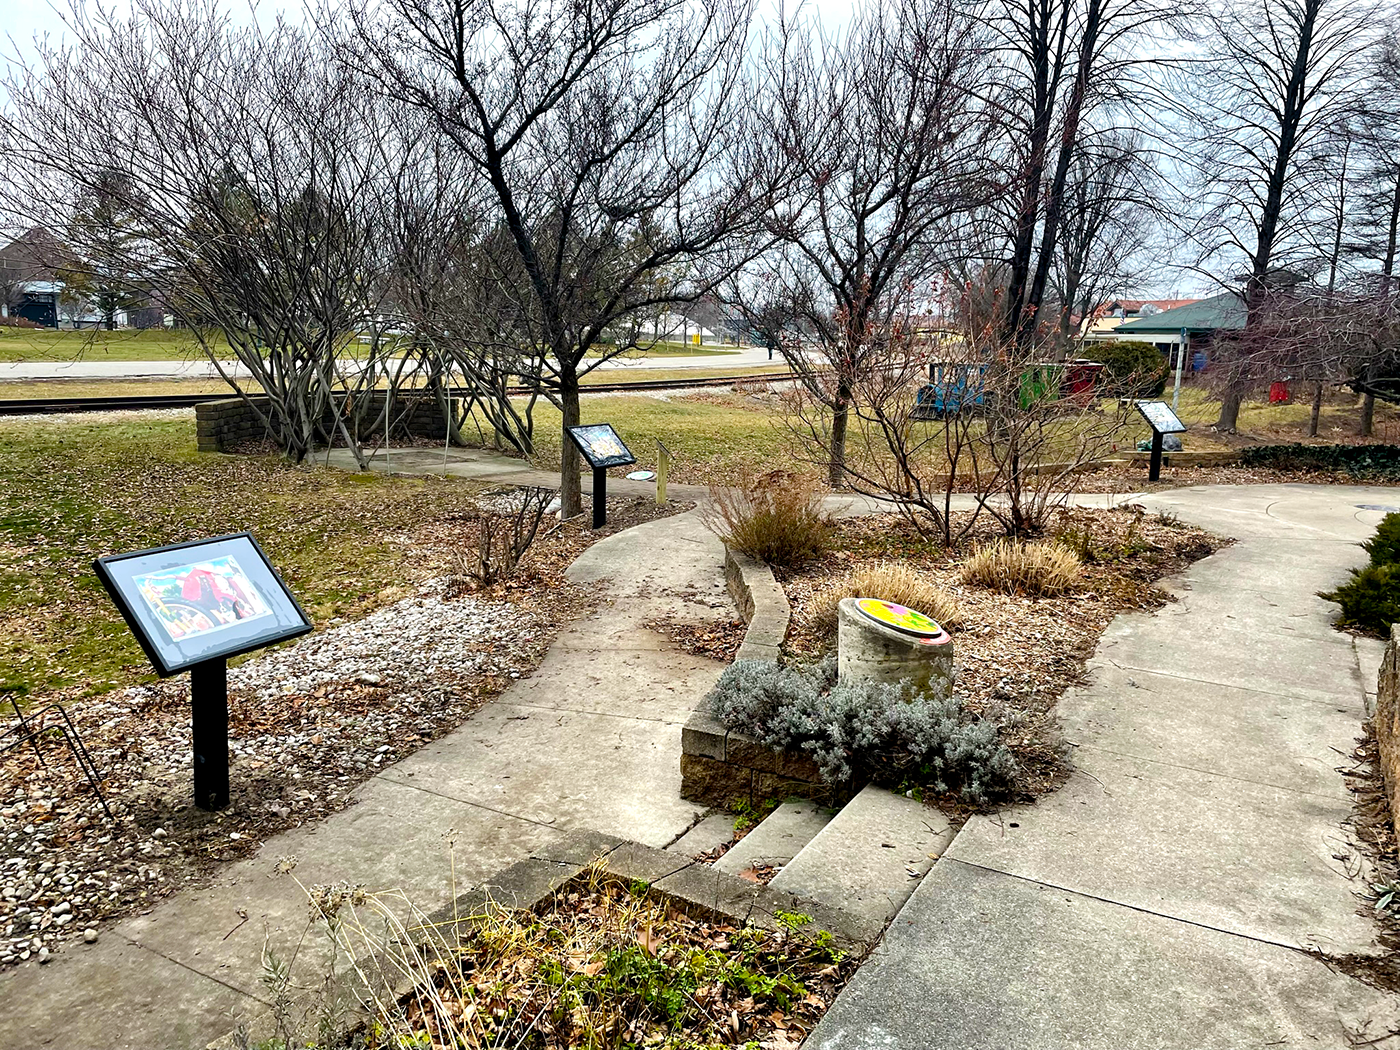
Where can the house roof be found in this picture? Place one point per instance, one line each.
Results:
(1136, 305)
(1204, 315)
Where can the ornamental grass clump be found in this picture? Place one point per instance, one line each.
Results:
(776, 517)
(1037, 570)
(866, 730)
(892, 582)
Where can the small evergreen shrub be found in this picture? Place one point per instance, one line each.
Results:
(776, 517)
(868, 730)
(1358, 461)
(892, 582)
(1033, 569)
(1370, 599)
(1131, 369)
(1384, 546)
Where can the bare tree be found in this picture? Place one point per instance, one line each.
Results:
(878, 140)
(246, 168)
(606, 130)
(1275, 77)
(1064, 65)
(1109, 216)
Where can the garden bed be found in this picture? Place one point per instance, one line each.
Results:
(1015, 654)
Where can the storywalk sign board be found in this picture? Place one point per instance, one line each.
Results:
(600, 445)
(1162, 420)
(193, 605)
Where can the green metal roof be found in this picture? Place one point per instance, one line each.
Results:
(1219, 311)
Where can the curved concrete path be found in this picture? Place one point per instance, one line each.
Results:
(590, 741)
(1161, 897)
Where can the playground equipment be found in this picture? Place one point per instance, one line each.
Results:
(955, 387)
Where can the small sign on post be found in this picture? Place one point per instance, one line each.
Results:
(602, 448)
(1162, 420)
(191, 606)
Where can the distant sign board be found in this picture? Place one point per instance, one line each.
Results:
(1160, 417)
(601, 446)
(206, 600)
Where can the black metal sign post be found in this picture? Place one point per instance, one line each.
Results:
(192, 606)
(1163, 421)
(209, 719)
(602, 448)
(600, 497)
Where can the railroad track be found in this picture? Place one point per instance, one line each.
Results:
(30, 406)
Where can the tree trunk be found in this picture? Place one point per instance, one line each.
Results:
(1368, 415)
(840, 420)
(1316, 410)
(570, 490)
(1230, 409)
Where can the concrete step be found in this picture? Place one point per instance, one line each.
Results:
(869, 858)
(711, 832)
(777, 839)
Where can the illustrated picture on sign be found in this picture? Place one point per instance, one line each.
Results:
(204, 596)
(601, 446)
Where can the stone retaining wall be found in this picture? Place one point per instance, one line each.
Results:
(221, 426)
(1387, 721)
(720, 767)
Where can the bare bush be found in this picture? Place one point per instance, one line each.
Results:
(503, 538)
(776, 517)
(1044, 569)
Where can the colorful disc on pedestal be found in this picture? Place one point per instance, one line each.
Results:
(901, 618)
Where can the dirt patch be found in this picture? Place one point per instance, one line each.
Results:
(1015, 655)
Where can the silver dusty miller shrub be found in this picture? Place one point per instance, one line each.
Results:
(865, 729)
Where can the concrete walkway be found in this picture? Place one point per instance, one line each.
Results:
(1161, 897)
(591, 741)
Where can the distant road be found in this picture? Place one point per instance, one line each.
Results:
(90, 368)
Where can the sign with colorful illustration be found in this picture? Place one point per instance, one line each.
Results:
(902, 619)
(207, 600)
(601, 446)
(191, 600)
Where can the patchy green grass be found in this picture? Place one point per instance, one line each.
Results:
(72, 489)
(30, 344)
(47, 344)
(709, 435)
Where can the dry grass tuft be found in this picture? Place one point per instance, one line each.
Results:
(776, 517)
(1034, 569)
(891, 581)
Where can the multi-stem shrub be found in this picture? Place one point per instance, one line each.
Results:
(892, 582)
(865, 730)
(1384, 546)
(1033, 569)
(502, 539)
(776, 517)
(1131, 369)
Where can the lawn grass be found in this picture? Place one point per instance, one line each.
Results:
(74, 488)
(157, 344)
(30, 344)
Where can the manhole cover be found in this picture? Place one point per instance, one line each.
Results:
(641, 475)
(901, 618)
(1378, 506)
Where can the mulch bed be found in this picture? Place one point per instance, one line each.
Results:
(1125, 479)
(1015, 655)
(604, 964)
(309, 722)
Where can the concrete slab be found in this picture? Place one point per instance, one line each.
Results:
(869, 858)
(1290, 745)
(564, 769)
(978, 960)
(713, 831)
(779, 837)
(1214, 850)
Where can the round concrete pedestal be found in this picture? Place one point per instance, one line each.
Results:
(868, 650)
